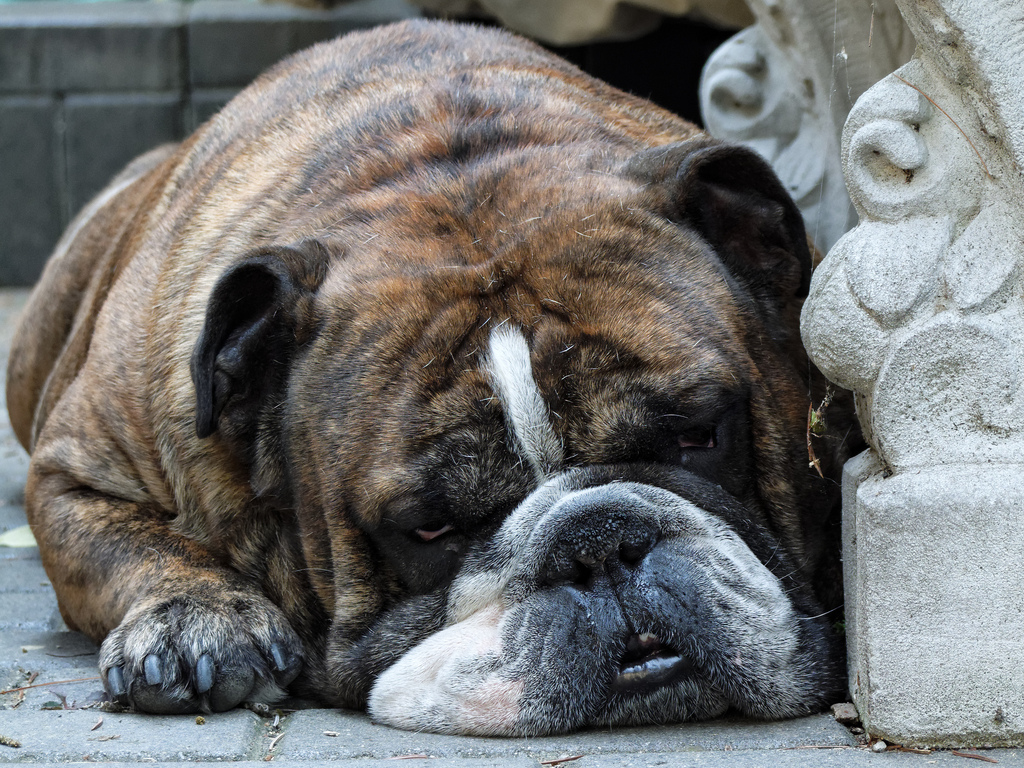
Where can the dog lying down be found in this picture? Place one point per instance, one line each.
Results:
(436, 377)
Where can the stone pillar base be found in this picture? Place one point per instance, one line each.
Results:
(935, 608)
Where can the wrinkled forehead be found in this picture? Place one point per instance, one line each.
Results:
(554, 323)
(566, 396)
(592, 266)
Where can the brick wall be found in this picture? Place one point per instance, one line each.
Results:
(86, 87)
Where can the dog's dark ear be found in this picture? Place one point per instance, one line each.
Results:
(253, 320)
(733, 198)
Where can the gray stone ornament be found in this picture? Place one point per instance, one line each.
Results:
(920, 310)
(784, 86)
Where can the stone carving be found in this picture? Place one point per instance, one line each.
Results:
(920, 311)
(784, 86)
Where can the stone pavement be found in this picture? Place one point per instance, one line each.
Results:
(58, 720)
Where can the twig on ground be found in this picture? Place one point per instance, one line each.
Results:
(560, 760)
(973, 756)
(55, 682)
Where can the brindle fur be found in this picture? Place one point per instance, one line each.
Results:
(381, 202)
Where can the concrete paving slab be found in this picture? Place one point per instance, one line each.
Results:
(105, 131)
(308, 736)
(73, 735)
(25, 562)
(26, 610)
(50, 661)
(836, 757)
(60, 47)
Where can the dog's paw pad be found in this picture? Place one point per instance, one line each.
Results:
(181, 654)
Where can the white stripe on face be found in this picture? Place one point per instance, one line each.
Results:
(508, 363)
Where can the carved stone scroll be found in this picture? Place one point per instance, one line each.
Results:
(784, 86)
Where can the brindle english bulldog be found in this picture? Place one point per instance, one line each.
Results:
(434, 376)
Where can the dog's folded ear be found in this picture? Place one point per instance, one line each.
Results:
(254, 321)
(734, 200)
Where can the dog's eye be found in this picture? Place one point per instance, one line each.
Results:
(702, 437)
(431, 532)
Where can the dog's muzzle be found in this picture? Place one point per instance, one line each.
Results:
(612, 602)
(599, 538)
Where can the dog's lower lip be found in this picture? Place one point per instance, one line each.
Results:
(647, 664)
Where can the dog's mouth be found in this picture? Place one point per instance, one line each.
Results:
(648, 663)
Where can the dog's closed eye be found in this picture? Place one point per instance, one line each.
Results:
(698, 438)
(431, 532)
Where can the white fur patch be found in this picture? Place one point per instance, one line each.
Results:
(511, 372)
(447, 683)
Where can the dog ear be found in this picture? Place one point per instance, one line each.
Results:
(251, 330)
(733, 198)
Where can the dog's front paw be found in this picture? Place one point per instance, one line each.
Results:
(205, 650)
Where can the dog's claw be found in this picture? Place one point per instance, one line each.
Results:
(277, 654)
(286, 663)
(205, 671)
(115, 682)
(152, 670)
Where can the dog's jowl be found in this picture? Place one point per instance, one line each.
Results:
(435, 377)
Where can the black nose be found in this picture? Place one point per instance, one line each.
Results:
(597, 530)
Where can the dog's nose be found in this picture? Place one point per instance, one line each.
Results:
(607, 529)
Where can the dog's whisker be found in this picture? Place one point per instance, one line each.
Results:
(822, 614)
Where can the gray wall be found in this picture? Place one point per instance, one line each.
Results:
(86, 87)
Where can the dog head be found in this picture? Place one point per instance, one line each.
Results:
(544, 427)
